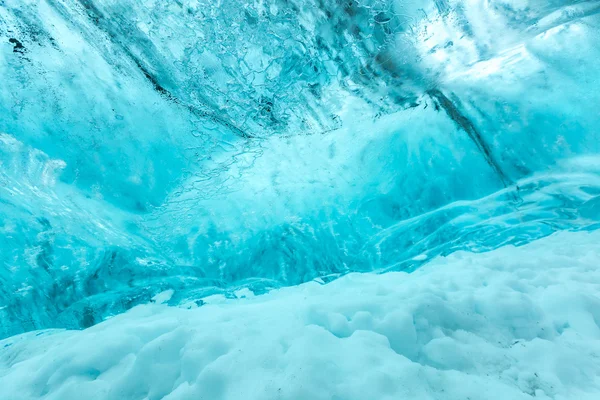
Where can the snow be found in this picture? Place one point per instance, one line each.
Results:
(513, 323)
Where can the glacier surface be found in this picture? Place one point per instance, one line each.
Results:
(185, 151)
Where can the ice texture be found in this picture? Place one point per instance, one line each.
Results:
(514, 323)
(208, 147)
(299, 199)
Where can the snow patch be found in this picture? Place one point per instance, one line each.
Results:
(514, 323)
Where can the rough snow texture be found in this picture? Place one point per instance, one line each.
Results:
(515, 323)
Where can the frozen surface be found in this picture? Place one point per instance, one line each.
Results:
(201, 148)
(513, 323)
(299, 199)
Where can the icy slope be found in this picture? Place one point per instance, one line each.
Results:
(514, 323)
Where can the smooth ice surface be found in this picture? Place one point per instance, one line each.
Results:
(513, 323)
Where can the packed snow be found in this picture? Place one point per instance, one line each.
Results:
(514, 323)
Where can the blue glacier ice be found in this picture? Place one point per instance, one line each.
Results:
(202, 148)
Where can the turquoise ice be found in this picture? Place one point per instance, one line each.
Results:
(216, 154)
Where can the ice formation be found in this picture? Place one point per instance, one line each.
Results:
(394, 151)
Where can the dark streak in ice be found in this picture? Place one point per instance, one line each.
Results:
(194, 110)
(466, 125)
(96, 17)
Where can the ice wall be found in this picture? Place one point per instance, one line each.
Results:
(204, 146)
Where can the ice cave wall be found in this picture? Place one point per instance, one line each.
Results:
(200, 146)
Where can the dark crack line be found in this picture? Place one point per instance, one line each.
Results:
(169, 96)
(466, 125)
(96, 17)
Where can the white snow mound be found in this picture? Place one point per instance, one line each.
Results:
(515, 323)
